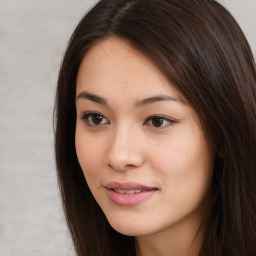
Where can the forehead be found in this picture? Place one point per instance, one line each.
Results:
(113, 65)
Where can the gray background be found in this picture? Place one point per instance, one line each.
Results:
(33, 36)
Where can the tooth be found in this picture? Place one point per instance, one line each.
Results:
(120, 191)
(129, 192)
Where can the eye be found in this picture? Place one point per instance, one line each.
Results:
(159, 121)
(94, 119)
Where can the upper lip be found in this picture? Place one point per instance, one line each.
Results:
(127, 186)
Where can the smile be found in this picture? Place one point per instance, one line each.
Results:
(128, 194)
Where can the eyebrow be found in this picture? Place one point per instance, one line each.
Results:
(91, 97)
(146, 101)
(157, 98)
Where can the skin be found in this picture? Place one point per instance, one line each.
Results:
(126, 145)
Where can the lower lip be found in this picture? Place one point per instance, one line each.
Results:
(129, 199)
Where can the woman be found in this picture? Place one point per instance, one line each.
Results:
(156, 131)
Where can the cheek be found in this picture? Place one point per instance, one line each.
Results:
(185, 167)
(89, 157)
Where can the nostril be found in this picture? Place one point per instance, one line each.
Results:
(121, 166)
(124, 160)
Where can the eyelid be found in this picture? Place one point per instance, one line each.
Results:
(88, 113)
(85, 115)
(168, 119)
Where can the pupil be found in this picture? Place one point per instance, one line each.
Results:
(157, 121)
(97, 119)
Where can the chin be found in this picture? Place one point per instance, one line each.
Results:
(130, 229)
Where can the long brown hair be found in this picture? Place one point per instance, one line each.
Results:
(200, 48)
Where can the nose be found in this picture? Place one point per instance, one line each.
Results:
(125, 149)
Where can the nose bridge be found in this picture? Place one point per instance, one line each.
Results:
(124, 149)
(121, 134)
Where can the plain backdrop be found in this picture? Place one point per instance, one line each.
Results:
(33, 37)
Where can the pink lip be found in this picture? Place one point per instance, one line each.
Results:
(128, 199)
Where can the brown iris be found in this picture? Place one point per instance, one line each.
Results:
(157, 121)
(97, 119)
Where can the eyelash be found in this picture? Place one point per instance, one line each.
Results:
(87, 115)
(163, 118)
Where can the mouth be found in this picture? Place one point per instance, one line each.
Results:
(128, 187)
(129, 193)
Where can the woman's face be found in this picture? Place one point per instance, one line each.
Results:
(141, 148)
